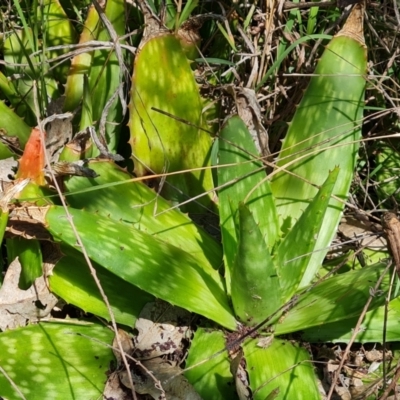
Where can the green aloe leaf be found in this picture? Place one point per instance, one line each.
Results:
(211, 379)
(159, 268)
(339, 298)
(12, 125)
(58, 31)
(73, 282)
(55, 361)
(295, 251)
(255, 285)
(282, 369)
(371, 330)
(243, 174)
(137, 205)
(7, 89)
(160, 142)
(105, 74)
(29, 254)
(323, 134)
(80, 64)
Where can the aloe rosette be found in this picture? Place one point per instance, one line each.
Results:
(141, 249)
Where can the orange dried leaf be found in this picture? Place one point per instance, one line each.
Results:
(31, 164)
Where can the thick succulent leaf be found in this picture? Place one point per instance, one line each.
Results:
(245, 173)
(59, 31)
(104, 77)
(7, 89)
(255, 285)
(282, 369)
(336, 299)
(211, 379)
(55, 361)
(80, 64)
(12, 125)
(134, 203)
(295, 251)
(159, 142)
(159, 268)
(73, 282)
(322, 134)
(371, 328)
(30, 256)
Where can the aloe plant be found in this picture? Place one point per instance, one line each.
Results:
(256, 285)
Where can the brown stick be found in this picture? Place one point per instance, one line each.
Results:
(391, 228)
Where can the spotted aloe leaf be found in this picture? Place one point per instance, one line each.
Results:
(214, 373)
(261, 285)
(142, 209)
(255, 287)
(324, 134)
(73, 282)
(338, 298)
(281, 370)
(54, 361)
(175, 142)
(159, 268)
(30, 256)
(242, 178)
(293, 254)
(371, 328)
